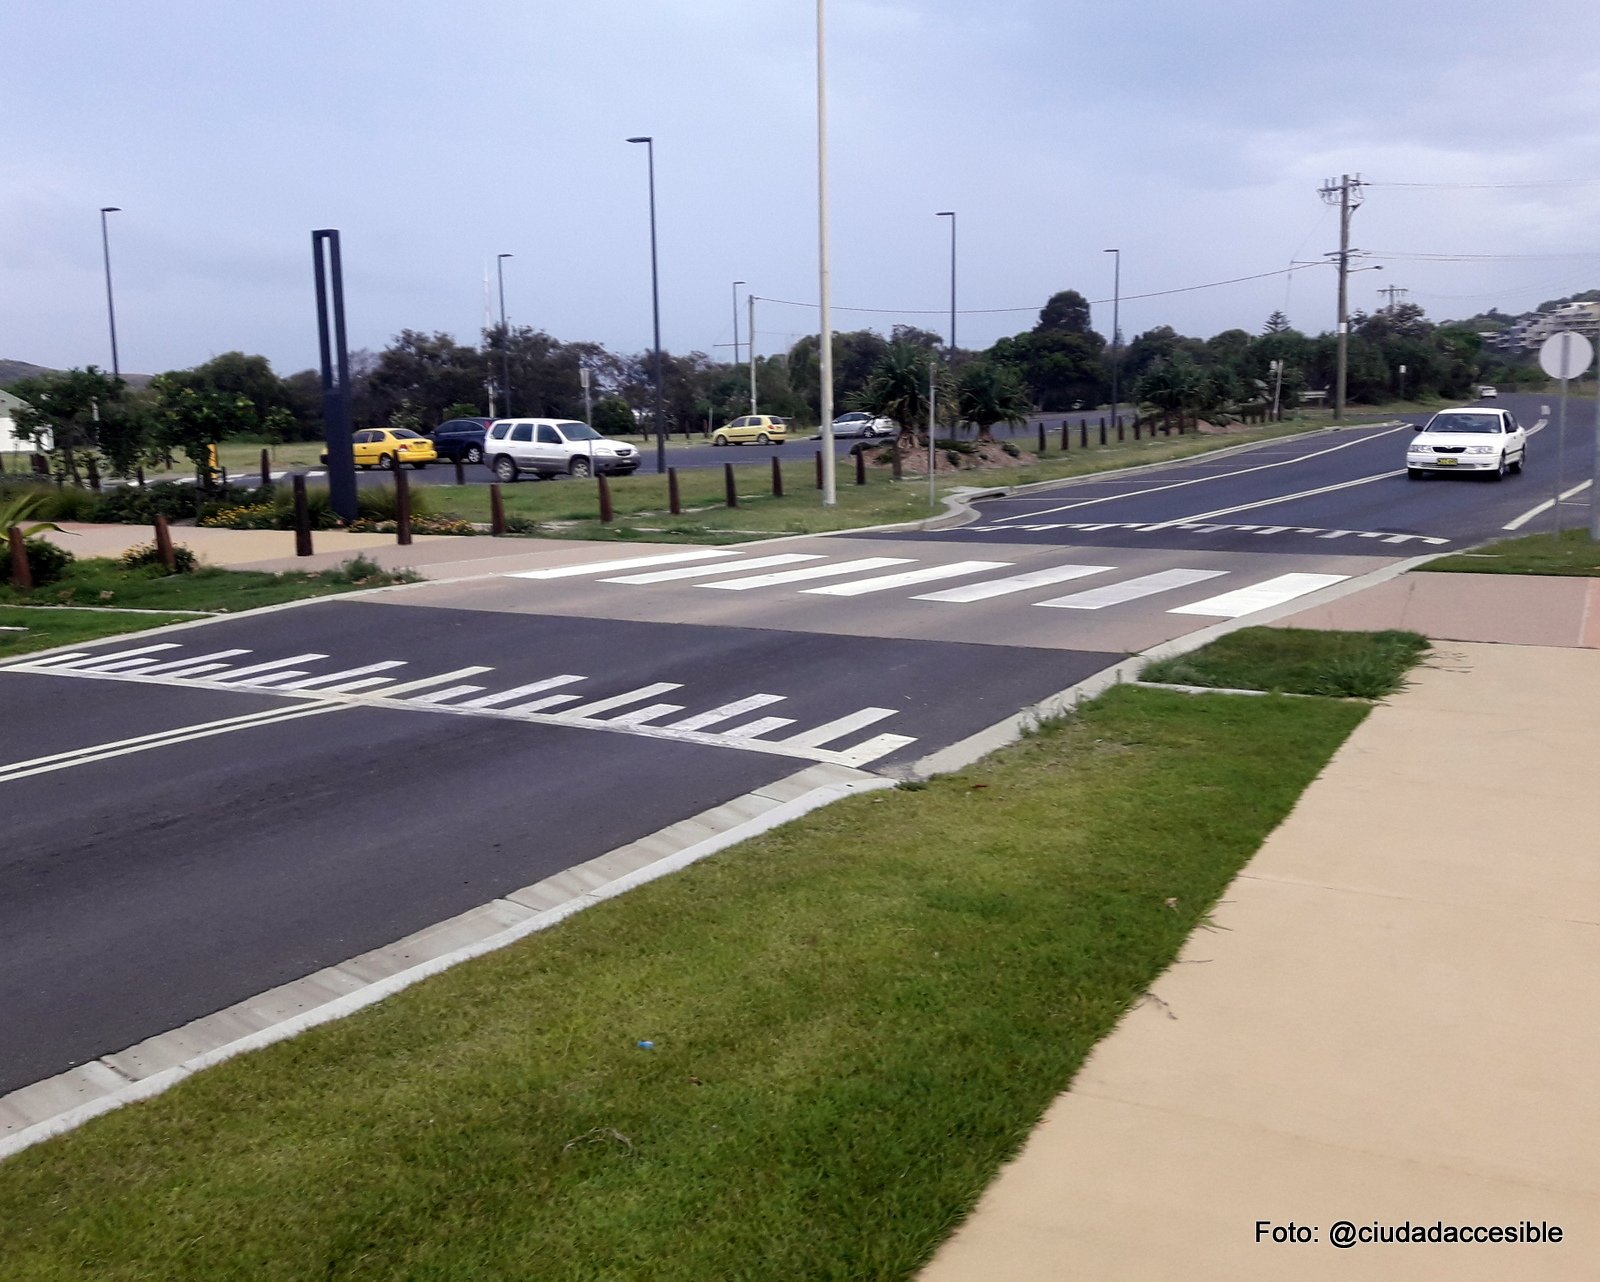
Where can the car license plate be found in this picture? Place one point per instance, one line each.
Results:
(1445, 462)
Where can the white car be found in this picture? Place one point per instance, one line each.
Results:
(1485, 442)
(858, 423)
(1487, 393)
(553, 447)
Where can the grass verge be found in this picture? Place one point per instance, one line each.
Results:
(1571, 553)
(24, 629)
(1359, 665)
(854, 1020)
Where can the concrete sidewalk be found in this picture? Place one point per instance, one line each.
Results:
(1394, 1020)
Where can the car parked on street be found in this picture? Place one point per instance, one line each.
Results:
(860, 423)
(1487, 393)
(1484, 442)
(549, 447)
(460, 438)
(389, 447)
(752, 429)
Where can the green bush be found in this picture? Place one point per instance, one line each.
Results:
(362, 569)
(46, 562)
(319, 509)
(379, 503)
(147, 554)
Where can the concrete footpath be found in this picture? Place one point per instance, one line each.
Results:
(1394, 1020)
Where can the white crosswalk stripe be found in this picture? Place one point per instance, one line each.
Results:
(700, 571)
(1015, 583)
(630, 563)
(1260, 596)
(907, 578)
(780, 577)
(1131, 589)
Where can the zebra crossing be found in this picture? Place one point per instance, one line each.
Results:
(803, 573)
(1208, 527)
(565, 698)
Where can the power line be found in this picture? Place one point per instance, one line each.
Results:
(1398, 256)
(1550, 182)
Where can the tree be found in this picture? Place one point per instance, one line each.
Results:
(70, 406)
(898, 390)
(234, 375)
(193, 418)
(1060, 370)
(1277, 323)
(987, 393)
(430, 372)
(1172, 385)
(612, 417)
(1066, 312)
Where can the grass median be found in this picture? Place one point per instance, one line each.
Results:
(802, 1058)
(1572, 554)
(1351, 665)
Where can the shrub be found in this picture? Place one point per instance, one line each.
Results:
(379, 503)
(147, 554)
(419, 525)
(1010, 449)
(319, 509)
(362, 569)
(46, 562)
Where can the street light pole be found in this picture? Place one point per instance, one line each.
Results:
(655, 307)
(736, 285)
(505, 337)
(825, 316)
(1116, 337)
(951, 215)
(751, 299)
(111, 308)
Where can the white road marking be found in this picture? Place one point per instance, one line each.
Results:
(516, 692)
(631, 563)
(538, 705)
(1241, 601)
(311, 683)
(77, 663)
(448, 693)
(778, 577)
(1532, 512)
(271, 678)
(651, 712)
(1016, 583)
(696, 571)
(871, 749)
(906, 578)
(1131, 589)
(755, 729)
(726, 712)
(1281, 498)
(427, 683)
(233, 677)
(838, 728)
(178, 667)
(622, 700)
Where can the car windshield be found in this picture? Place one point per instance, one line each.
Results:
(1464, 423)
(405, 434)
(850, 418)
(579, 432)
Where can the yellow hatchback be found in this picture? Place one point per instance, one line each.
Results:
(389, 447)
(752, 429)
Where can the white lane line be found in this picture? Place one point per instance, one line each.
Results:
(696, 571)
(177, 667)
(1274, 501)
(871, 749)
(311, 683)
(516, 692)
(449, 692)
(97, 661)
(145, 743)
(838, 728)
(651, 712)
(623, 700)
(778, 577)
(1219, 476)
(1532, 512)
(1286, 587)
(907, 577)
(1131, 589)
(1016, 583)
(254, 668)
(630, 563)
(726, 712)
(755, 729)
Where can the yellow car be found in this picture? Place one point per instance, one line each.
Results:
(389, 447)
(752, 429)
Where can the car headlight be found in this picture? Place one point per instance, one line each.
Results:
(1420, 449)
(1480, 449)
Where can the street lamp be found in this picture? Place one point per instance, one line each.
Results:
(1116, 336)
(951, 215)
(655, 306)
(111, 309)
(505, 336)
(824, 292)
(736, 285)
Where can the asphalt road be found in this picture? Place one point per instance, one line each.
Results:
(196, 818)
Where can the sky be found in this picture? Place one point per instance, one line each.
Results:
(1193, 135)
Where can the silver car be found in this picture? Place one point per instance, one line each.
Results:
(858, 423)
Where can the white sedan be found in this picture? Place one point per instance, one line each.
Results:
(858, 423)
(1483, 441)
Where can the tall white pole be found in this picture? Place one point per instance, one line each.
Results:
(825, 319)
(932, 385)
(752, 352)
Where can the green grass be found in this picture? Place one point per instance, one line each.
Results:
(45, 629)
(856, 1019)
(1572, 553)
(1359, 665)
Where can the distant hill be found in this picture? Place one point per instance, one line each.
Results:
(11, 371)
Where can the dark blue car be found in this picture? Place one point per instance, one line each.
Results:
(460, 438)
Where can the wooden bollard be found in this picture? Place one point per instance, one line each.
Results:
(730, 494)
(497, 510)
(896, 462)
(461, 471)
(1042, 445)
(1102, 433)
(608, 514)
(402, 507)
(1066, 435)
(1136, 428)
(674, 499)
(169, 558)
(266, 468)
(819, 469)
(777, 477)
(138, 472)
(861, 466)
(302, 518)
(1120, 437)
(1083, 434)
(21, 571)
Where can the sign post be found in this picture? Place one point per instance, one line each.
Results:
(1564, 355)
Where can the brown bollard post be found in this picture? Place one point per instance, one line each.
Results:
(730, 495)
(607, 512)
(402, 506)
(40, 464)
(21, 571)
(139, 474)
(861, 467)
(266, 469)
(1102, 433)
(1120, 437)
(1083, 434)
(1066, 435)
(302, 518)
(819, 469)
(164, 545)
(674, 499)
(497, 510)
(461, 472)
(896, 460)
(1136, 427)
(777, 477)
(1041, 438)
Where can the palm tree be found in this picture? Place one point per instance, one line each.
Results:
(988, 393)
(898, 389)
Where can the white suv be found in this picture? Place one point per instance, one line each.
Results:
(1468, 440)
(553, 447)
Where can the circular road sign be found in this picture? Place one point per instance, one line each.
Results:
(1565, 355)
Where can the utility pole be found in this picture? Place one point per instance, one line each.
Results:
(751, 349)
(1346, 193)
(1395, 293)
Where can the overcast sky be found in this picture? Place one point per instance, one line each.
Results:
(1192, 134)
